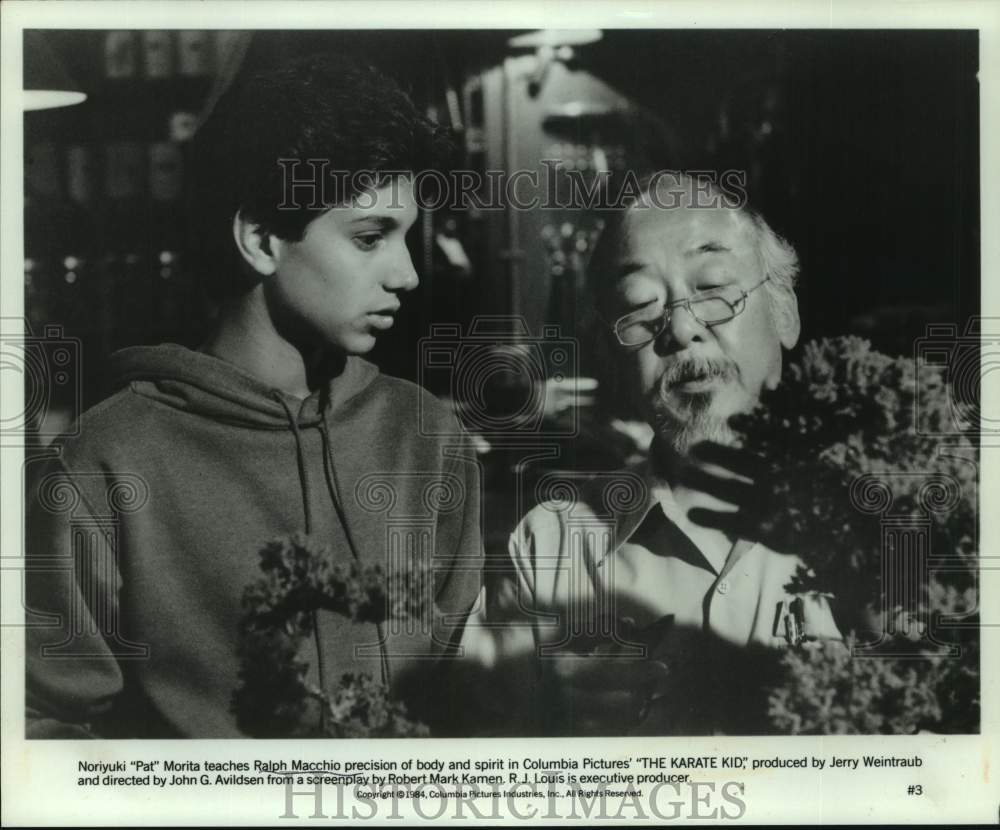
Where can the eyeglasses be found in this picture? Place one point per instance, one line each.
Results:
(710, 308)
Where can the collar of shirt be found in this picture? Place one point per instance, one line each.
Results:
(720, 555)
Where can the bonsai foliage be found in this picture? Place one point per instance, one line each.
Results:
(861, 494)
(299, 580)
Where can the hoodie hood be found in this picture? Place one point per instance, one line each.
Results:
(205, 385)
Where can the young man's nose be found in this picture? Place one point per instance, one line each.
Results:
(401, 275)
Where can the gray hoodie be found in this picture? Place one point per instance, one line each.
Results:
(145, 530)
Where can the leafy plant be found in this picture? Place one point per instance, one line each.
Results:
(299, 580)
(850, 469)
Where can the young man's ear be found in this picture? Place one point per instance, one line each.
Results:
(254, 244)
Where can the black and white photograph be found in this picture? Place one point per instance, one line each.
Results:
(623, 382)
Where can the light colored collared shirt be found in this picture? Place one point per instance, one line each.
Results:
(614, 565)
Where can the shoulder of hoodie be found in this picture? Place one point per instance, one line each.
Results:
(125, 418)
(431, 411)
(107, 428)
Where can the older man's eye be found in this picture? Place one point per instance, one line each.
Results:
(714, 289)
(731, 291)
(643, 311)
(712, 248)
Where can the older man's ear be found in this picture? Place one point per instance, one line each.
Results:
(785, 310)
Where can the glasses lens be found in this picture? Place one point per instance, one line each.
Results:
(635, 334)
(719, 306)
(640, 326)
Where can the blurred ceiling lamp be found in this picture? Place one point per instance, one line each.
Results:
(552, 45)
(47, 84)
(555, 38)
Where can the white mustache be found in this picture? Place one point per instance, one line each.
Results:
(695, 369)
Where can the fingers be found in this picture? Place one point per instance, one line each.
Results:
(568, 393)
(734, 477)
(737, 492)
(584, 384)
(734, 460)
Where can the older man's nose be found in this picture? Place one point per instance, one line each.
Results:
(681, 329)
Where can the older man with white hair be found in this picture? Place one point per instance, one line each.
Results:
(647, 591)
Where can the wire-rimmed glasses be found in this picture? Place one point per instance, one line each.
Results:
(710, 308)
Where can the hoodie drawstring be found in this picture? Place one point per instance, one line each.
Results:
(307, 510)
(330, 475)
(300, 458)
(331, 482)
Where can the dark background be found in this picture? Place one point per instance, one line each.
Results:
(861, 147)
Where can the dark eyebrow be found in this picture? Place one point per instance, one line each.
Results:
(385, 223)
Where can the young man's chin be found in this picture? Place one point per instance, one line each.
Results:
(356, 343)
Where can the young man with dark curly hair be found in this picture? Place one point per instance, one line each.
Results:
(274, 426)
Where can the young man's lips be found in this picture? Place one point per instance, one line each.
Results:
(382, 319)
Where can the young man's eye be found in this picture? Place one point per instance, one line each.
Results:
(368, 241)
